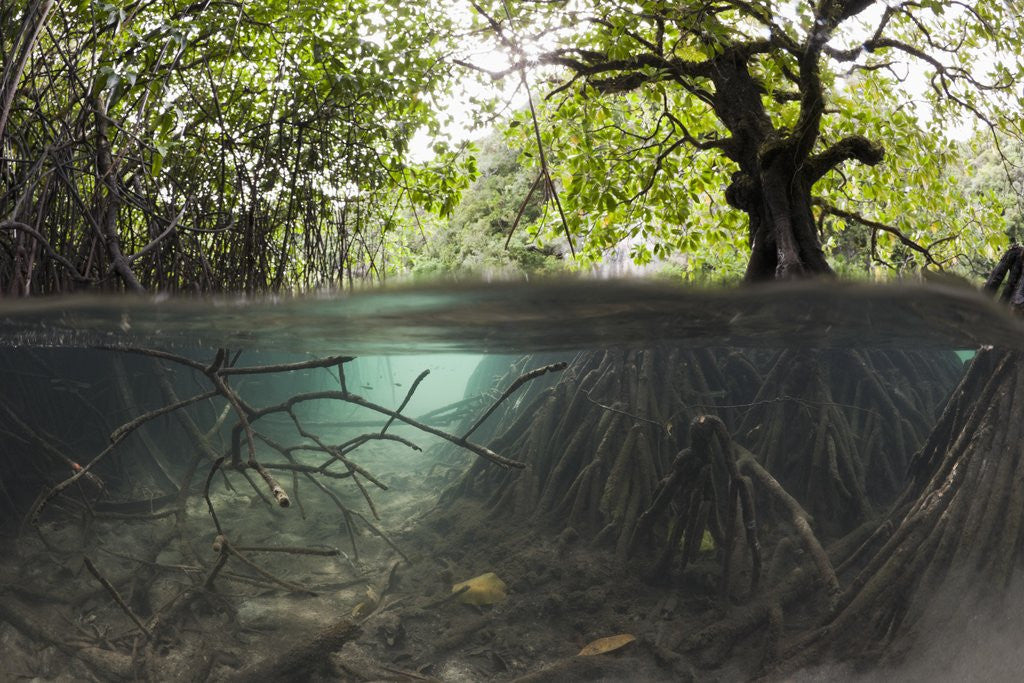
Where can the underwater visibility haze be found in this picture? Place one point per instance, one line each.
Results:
(552, 482)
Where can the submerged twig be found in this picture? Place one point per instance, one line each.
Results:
(117, 597)
(519, 381)
(206, 494)
(405, 401)
(324, 552)
(116, 437)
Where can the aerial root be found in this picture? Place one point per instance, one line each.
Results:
(766, 609)
(773, 638)
(615, 420)
(692, 481)
(118, 600)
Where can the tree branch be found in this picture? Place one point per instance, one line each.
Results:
(877, 226)
(631, 69)
(854, 147)
(29, 230)
(827, 17)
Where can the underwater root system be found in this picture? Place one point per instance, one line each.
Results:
(835, 428)
(745, 481)
(597, 442)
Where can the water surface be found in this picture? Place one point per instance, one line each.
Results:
(522, 317)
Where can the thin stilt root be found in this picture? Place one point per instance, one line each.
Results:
(711, 444)
(837, 436)
(598, 440)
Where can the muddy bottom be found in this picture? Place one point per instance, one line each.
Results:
(58, 622)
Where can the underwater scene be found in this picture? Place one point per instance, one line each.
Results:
(573, 482)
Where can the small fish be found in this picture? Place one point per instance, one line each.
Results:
(67, 383)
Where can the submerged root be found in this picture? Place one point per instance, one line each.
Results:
(599, 447)
(713, 449)
(960, 530)
(597, 442)
(600, 444)
(836, 428)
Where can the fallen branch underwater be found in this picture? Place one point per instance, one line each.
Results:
(220, 369)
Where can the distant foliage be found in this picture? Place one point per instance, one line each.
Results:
(995, 173)
(473, 240)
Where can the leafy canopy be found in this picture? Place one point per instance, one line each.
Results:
(638, 137)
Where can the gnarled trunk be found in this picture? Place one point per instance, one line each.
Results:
(958, 528)
(784, 241)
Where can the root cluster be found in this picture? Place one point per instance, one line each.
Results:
(835, 428)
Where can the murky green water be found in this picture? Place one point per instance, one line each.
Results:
(396, 496)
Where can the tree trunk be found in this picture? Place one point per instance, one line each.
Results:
(784, 241)
(108, 203)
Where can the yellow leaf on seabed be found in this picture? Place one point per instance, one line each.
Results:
(602, 645)
(485, 589)
(367, 606)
